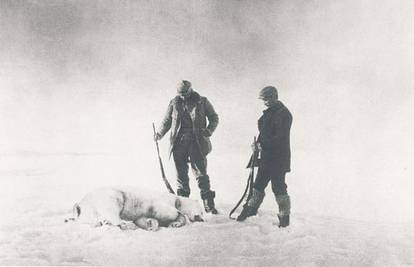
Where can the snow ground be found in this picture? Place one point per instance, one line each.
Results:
(37, 195)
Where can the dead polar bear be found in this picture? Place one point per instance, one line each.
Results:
(132, 208)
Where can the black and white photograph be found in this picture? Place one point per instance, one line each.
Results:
(206, 133)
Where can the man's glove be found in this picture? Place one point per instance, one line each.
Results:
(157, 136)
(256, 146)
(205, 132)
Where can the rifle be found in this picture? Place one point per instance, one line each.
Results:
(167, 184)
(249, 186)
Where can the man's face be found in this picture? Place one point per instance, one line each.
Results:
(185, 94)
(269, 101)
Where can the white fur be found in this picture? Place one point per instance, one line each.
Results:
(133, 208)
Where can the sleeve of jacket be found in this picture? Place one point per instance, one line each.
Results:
(212, 116)
(167, 120)
(280, 134)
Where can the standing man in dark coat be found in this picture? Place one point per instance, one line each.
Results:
(187, 116)
(274, 146)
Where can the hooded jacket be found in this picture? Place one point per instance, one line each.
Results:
(200, 110)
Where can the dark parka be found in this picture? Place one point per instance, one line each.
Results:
(202, 109)
(274, 137)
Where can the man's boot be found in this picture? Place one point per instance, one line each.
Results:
(208, 201)
(252, 205)
(283, 201)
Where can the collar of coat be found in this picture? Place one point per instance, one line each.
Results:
(194, 98)
(276, 107)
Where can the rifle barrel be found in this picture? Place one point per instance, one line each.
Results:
(164, 178)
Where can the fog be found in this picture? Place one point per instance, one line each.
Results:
(91, 77)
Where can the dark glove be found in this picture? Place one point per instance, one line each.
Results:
(256, 146)
(157, 136)
(205, 132)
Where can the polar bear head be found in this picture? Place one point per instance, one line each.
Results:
(190, 208)
(85, 214)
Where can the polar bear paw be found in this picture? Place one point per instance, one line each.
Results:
(176, 224)
(127, 226)
(152, 224)
(180, 221)
(149, 224)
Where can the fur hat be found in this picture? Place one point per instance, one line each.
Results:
(184, 87)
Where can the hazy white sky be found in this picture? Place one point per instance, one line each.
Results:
(92, 76)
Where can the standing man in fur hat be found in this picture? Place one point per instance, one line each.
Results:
(274, 147)
(187, 116)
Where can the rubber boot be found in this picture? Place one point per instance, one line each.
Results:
(252, 205)
(283, 220)
(208, 201)
(283, 201)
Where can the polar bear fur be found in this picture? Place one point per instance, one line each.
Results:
(134, 208)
